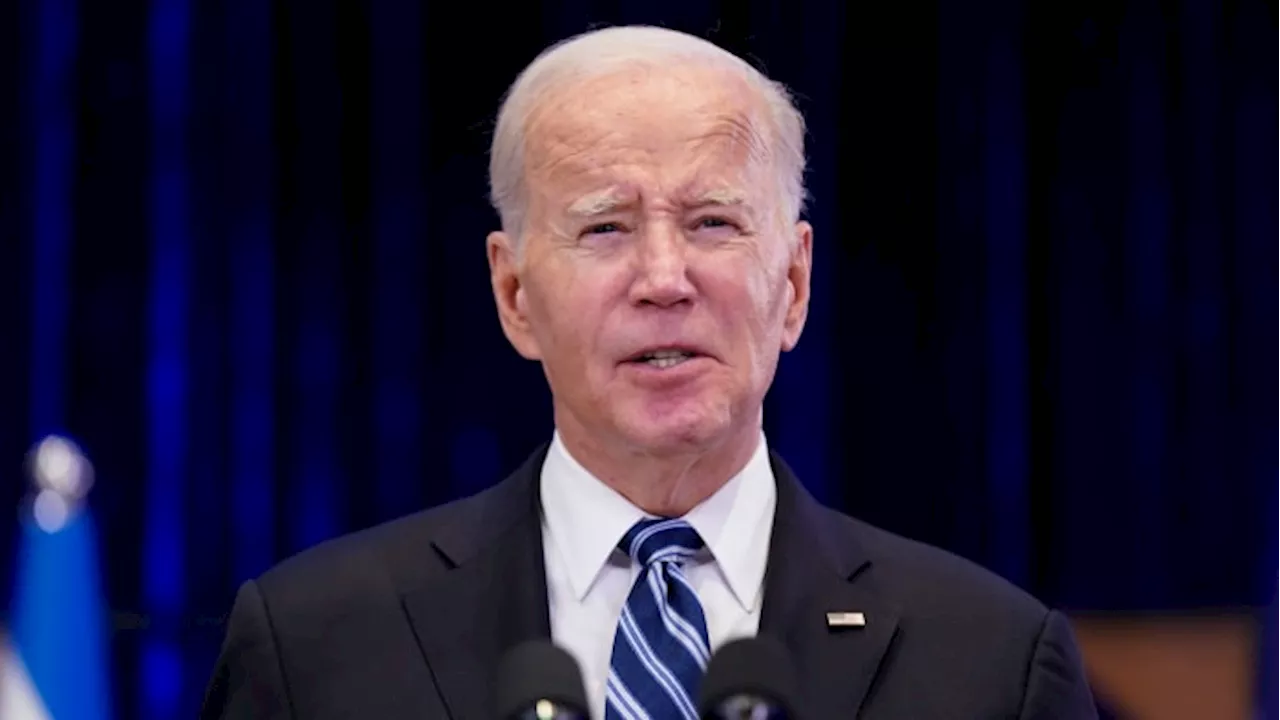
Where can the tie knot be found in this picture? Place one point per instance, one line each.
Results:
(655, 540)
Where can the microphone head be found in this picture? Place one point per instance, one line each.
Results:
(749, 678)
(536, 679)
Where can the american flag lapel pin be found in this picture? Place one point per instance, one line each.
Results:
(846, 620)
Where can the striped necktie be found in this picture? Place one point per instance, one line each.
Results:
(660, 649)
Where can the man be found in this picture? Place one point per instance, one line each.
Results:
(653, 260)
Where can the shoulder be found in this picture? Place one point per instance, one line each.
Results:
(922, 580)
(360, 567)
(929, 582)
(985, 646)
(406, 552)
(370, 568)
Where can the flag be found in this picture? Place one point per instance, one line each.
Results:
(56, 658)
(18, 698)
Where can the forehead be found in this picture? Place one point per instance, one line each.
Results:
(650, 124)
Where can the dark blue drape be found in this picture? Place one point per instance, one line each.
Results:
(241, 264)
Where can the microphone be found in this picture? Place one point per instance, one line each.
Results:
(539, 681)
(749, 679)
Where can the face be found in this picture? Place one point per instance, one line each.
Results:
(657, 278)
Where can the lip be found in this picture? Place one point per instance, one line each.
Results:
(655, 378)
(696, 351)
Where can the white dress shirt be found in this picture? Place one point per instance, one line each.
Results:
(588, 578)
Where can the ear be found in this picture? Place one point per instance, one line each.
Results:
(799, 272)
(509, 294)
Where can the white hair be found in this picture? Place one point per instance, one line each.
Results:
(599, 52)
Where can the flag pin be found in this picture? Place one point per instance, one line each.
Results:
(846, 619)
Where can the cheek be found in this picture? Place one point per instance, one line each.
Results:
(755, 315)
(738, 305)
(762, 298)
(570, 312)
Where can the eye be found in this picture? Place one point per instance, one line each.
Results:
(603, 228)
(713, 222)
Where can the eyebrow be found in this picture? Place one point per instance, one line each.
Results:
(722, 197)
(599, 203)
(608, 200)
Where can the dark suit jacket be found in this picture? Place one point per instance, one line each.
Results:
(409, 619)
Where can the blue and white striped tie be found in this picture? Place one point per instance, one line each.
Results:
(660, 650)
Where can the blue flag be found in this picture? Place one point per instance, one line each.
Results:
(59, 634)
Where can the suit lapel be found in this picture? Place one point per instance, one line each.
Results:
(816, 567)
(493, 596)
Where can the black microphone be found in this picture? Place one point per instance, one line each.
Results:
(749, 679)
(539, 681)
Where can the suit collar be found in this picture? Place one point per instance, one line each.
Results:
(817, 566)
(492, 596)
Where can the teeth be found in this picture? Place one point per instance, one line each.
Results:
(666, 362)
(666, 358)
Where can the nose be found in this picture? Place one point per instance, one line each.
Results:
(662, 276)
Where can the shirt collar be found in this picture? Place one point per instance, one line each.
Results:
(585, 519)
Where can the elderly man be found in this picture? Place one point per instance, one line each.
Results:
(653, 261)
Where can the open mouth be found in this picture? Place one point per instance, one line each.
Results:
(664, 359)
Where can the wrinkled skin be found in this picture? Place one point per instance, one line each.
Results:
(655, 219)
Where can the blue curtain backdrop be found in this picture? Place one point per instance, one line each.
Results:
(241, 263)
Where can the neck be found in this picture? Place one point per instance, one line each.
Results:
(659, 482)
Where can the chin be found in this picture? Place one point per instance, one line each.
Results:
(674, 433)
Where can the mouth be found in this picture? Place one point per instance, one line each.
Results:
(664, 358)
